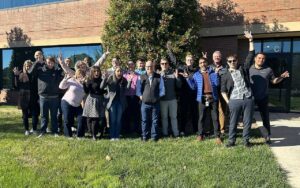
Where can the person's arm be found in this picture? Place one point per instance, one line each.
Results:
(171, 55)
(250, 55)
(102, 59)
(65, 68)
(224, 90)
(177, 79)
(138, 88)
(191, 82)
(162, 91)
(225, 97)
(277, 80)
(64, 84)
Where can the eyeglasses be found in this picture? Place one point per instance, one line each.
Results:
(231, 61)
(164, 63)
(148, 67)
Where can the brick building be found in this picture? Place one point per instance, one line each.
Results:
(74, 27)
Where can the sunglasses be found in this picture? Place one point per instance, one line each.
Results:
(231, 61)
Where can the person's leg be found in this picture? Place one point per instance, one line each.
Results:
(113, 119)
(53, 104)
(78, 113)
(95, 126)
(201, 110)
(155, 114)
(214, 117)
(59, 116)
(44, 107)
(235, 107)
(264, 112)
(35, 116)
(145, 122)
(127, 116)
(248, 108)
(25, 118)
(172, 108)
(164, 117)
(222, 116)
(66, 111)
(118, 119)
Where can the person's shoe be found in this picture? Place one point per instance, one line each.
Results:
(154, 139)
(27, 133)
(230, 144)
(247, 144)
(56, 135)
(34, 132)
(219, 141)
(144, 139)
(112, 139)
(94, 138)
(182, 134)
(41, 135)
(200, 138)
(117, 139)
(268, 140)
(48, 130)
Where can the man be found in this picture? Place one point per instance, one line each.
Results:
(48, 77)
(205, 82)
(260, 76)
(150, 87)
(218, 67)
(168, 103)
(140, 64)
(236, 91)
(187, 96)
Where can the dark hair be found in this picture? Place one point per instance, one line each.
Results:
(164, 59)
(50, 58)
(231, 55)
(203, 58)
(258, 53)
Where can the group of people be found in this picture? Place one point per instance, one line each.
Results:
(141, 98)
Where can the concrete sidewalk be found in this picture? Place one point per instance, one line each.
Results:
(285, 129)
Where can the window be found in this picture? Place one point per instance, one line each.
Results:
(272, 47)
(257, 46)
(19, 3)
(75, 53)
(296, 46)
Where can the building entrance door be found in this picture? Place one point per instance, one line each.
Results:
(279, 94)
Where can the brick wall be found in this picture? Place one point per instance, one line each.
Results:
(58, 20)
(262, 11)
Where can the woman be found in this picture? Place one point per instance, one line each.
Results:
(94, 104)
(27, 99)
(71, 101)
(116, 85)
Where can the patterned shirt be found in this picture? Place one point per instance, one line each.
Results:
(240, 91)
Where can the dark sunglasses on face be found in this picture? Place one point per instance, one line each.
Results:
(231, 61)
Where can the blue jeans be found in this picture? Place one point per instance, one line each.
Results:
(115, 116)
(150, 114)
(237, 106)
(70, 112)
(46, 105)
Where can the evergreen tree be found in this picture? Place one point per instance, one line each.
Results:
(142, 28)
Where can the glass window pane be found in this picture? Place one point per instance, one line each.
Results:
(286, 46)
(7, 74)
(296, 46)
(272, 47)
(18, 3)
(257, 46)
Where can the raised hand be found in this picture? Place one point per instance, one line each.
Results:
(286, 74)
(59, 58)
(176, 73)
(107, 51)
(16, 71)
(248, 35)
(184, 74)
(204, 54)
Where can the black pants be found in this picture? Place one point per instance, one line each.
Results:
(188, 114)
(213, 107)
(263, 108)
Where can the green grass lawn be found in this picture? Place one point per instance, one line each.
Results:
(60, 162)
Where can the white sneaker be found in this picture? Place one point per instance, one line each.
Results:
(112, 139)
(41, 135)
(48, 130)
(34, 132)
(27, 133)
(56, 135)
